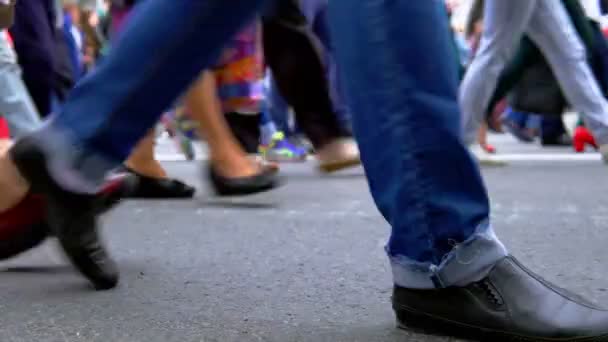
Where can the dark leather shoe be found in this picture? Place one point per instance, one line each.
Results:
(511, 304)
(267, 179)
(24, 226)
(72, 217)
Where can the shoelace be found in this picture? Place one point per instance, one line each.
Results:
(490, 292)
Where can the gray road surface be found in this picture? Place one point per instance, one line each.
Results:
(304, 263)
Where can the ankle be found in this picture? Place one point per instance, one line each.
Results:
(235, 167)
(149, 168)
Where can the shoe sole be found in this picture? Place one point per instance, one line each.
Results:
(417, 322)
(249, 191)
(339, 166)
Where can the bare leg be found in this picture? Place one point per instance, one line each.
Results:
(227, 156)
(482, 139)
(142, 159)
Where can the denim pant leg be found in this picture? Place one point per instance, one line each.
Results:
(407, 123)
(161, 51)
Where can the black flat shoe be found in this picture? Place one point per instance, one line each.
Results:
(72, 217)
(510, 304)
(158, 188)
(267, 179)
(24, 226)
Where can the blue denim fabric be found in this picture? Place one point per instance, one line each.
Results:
(167, 45)
(407, 123)
(406, 118)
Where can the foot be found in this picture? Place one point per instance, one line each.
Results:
(230, 164)
(582, 138)
(72, 217)
(24, 226)
(338, 155)
(484, 158)
(510, 304)
(264, 179)
(159, 188)
(489, 148)
(280, 149)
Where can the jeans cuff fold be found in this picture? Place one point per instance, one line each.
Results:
(467, 263)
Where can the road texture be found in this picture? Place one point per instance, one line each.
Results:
(304, 263)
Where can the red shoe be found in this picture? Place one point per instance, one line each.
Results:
(583, 137)
(489, 148)
(24, 227)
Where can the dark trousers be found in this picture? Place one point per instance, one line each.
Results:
(42, 52)
(34, 37)
(293, 54)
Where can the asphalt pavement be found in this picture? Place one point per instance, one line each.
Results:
(303, 263)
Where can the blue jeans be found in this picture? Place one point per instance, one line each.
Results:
(405, 114)
(407, 123)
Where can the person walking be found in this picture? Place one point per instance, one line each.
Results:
(547, 24)
(452, 275)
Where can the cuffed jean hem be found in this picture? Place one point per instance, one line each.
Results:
(467, 263)
(74, 166)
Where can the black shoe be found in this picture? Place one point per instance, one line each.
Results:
(157, 188)
(71, 217)
(511, 304)
(23, 227)
(267, 179)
